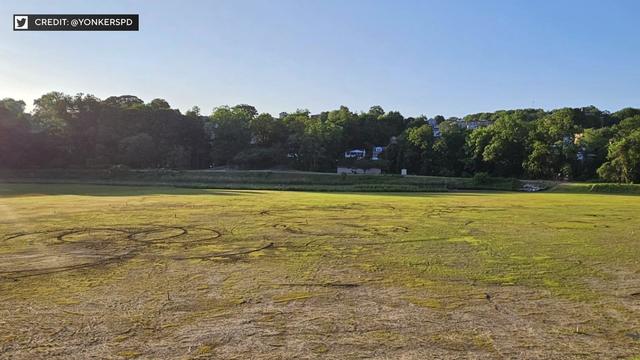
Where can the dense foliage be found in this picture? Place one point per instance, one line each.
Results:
(83, 131)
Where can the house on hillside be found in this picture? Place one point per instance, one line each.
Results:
(356, 162)
(436, 128)
(357, 154)
(474, 124)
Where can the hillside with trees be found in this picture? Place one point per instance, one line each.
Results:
(83, 131)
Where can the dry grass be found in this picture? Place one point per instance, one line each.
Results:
(177, 273)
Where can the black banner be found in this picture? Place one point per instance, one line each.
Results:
(75, 22)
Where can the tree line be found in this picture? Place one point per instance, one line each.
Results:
(83, 131)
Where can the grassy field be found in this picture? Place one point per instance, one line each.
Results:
(159, 272)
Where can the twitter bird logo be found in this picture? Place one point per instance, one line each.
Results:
(21, 22)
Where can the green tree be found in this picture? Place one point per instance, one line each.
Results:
(229, 132)
(500, 148)
(552, 151)
(159, 104)
(124, 101)
(623, 158)
(19, 146)
(623, 163)
(52, 112)
(417, 149)
(625, 113)
(593, 146)
(266, 131)
(138, 151)
(421, 137)
(449, 150)
(194, 112)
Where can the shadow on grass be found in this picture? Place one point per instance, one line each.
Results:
(43, 189)
(8, 189)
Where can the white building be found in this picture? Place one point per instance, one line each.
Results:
(355, 154)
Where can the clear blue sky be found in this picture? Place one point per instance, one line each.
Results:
(418, 57)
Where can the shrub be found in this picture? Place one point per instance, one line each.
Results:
(259, 158)
(118, 170)
(364, 163)
(615, 188)
(481, 178)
